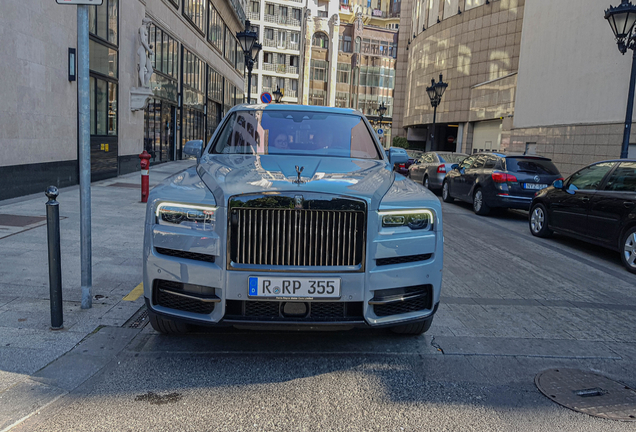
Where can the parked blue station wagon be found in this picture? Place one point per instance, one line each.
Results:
(294, 217)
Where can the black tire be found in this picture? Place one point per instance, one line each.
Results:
(538, 221)
(167, 326)
(446, 197)
(426, 183)
(414, 329)
(479, 204)
(628, 249)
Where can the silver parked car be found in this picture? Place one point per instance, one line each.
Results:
(292, 216)
(431, 168)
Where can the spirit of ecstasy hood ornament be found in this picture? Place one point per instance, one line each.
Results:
(299, 171)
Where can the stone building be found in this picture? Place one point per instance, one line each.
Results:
(198, 75)
(278, 24)
(349, 56)
(540, 77)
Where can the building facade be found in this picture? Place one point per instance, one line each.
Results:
(278, 24)
(349, 57)
(198, 75)
(522, 77)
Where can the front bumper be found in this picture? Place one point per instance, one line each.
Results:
(402, 270)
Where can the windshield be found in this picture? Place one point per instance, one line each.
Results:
(451, 157)
(262, 132)
(531, 166)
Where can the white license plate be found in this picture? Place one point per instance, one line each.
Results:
(293, 287)
(534, 186)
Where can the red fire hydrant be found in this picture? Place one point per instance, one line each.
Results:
(145, 164)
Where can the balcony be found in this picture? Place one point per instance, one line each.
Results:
(254, 16)
(269, 42)
(278, 68)
(291, 93)
(280, 19)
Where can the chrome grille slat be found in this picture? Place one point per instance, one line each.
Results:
(297, 237)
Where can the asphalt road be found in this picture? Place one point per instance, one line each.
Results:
(512, 306)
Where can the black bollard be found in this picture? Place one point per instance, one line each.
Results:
(55, 263)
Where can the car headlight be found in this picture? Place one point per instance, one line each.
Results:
(420, 219)
(185, 215)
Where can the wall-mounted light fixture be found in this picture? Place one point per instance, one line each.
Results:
(72, 71)
(423, 28)
(487, 1)
(438, 20)
(459, 10)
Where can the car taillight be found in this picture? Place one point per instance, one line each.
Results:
(402, 165)
(560, 178)
(499, 177)
(441, 169)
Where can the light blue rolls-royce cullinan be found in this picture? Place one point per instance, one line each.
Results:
(292, 216)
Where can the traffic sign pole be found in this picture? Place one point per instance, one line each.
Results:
(84, 117)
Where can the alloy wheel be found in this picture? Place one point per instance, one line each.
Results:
(426, 183)
(478, 201)
(537, 220)
(445, 191)
(630, 250)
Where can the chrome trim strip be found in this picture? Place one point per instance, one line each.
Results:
(209, 299)
(396, 298)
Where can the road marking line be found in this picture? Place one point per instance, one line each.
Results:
(135, 293)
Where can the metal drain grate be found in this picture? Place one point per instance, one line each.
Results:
(139, 319)
(19, 220)
(588, 393)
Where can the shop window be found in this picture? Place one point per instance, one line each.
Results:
(194, 11)
(215, 27)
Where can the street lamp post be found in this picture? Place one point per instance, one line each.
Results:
(250, 48)
(381, 112)
(435, 93)
(622, 19)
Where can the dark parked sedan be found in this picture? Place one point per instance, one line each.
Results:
(489, 180)
(431, 168)
(403, 168)
(596, 204)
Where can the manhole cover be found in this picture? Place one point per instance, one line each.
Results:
(588, 393)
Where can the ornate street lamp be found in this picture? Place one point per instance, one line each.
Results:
(622, 19)
(381, 112)
(250, 48)
(435, 93)
(278, 95)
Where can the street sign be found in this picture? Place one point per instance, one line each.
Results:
(266, 97)
(380, 132)
(81, 2)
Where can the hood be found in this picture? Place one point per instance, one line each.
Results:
(230, 175)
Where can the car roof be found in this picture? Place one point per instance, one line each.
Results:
(614, 160)
(511, 155)
(294, 108)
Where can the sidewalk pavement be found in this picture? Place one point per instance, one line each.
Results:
(27, 344)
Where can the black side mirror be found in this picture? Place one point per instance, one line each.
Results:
(455, 166)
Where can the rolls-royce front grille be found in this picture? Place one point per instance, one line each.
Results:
(298, 238)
